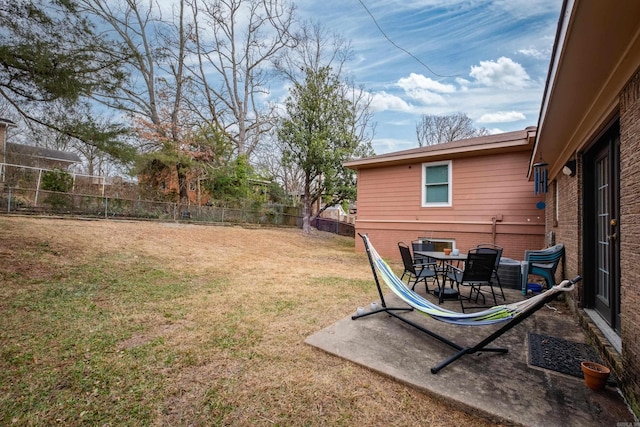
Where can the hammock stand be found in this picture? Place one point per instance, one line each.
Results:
(508, 314)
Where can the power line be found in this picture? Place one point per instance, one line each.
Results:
(400, 47)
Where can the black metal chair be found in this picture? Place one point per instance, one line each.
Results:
(489, 247)
(423, 246)
(416, 272)
(478, 271)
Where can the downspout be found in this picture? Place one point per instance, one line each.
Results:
(494, 220)
(494, 226)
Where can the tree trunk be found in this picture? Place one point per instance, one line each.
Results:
(306, 217)
(182, 191)
(306, 208)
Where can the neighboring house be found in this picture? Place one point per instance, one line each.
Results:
(337, 213)
(21, 163)
(166, 183)
(31, 156)
(459, 194)
(589, 134)
(333, 212)
(38, 157)
(4, 127)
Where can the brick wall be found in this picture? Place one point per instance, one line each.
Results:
(386, 240)
(564, 220)
(630, 237)
(564, 217)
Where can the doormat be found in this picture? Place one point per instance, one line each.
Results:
(560, 355)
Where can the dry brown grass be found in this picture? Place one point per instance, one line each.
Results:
(178, 324)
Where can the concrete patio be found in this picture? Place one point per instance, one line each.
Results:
(503, 388)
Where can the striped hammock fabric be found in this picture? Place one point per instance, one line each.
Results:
(497, 314)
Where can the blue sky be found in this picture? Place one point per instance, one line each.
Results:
(487, 59)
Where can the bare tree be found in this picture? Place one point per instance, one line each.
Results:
(153, 96)
(433, 129)
(237, 40)
(318, 50)
(267, 161)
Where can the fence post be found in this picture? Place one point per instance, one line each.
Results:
(35, 202)
(106, 207)
(9, 201)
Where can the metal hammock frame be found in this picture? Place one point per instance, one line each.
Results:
(512, 314)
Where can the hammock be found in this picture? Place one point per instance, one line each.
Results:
(497, 314)
(512, 314)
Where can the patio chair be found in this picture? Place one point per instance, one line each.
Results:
(478, 270)
(509, 314)
(542, 263)
(423, 246)
(416, 272)
(491, 247)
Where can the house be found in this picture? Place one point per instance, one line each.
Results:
(39, 157)
(457, 194)
(21, 163)
(337, 213)
(4, 129)
(589, 134)
(165, 183)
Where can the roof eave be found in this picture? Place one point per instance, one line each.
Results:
(494, 144)
(597, 51)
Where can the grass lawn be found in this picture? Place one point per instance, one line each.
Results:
(137, 323)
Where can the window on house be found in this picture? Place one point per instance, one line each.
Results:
(437, 184)
(440, 244)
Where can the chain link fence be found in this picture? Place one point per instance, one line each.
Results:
(334, 226)
(34, 201)
(99, 197)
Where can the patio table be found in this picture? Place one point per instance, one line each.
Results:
(444, 260)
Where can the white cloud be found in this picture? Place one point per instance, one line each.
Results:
(503, 73)
(521, 9)
(502, 117)
(418, 81)
(426, 97)
(383, 101)
(464, 83)
(425, 90)
(534, 53)
(495, 131)
(389, 145)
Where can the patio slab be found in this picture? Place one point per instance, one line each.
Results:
(499, 387)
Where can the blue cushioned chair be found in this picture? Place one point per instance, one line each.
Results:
(543, 263)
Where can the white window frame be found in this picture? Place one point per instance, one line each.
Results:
(450, 243)
(449, 163)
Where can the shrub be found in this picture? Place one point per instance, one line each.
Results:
(57, 181)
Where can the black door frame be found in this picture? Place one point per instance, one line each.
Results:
(608, 141)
